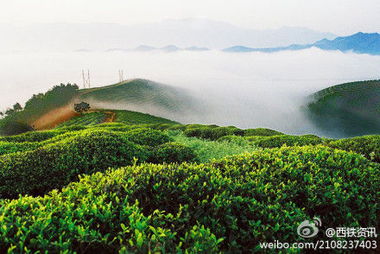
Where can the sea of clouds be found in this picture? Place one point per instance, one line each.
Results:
(243, 89)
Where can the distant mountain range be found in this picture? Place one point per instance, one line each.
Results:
(361, 43)
(183, 33)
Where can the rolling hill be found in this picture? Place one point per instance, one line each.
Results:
(361, 43)
(46, 111)
(139, 95)
(117, 116)
(349, 109)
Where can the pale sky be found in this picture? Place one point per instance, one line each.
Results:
(336, 16)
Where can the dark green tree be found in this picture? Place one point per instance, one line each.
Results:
(17, 107)
(9, 111)
(82, 107)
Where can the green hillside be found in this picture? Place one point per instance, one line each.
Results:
(120, 116)
(56, 107)
(87, 119)
(143, 93)
(350, 109)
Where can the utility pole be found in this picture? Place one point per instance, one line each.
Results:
(86, 80)
(121, 76)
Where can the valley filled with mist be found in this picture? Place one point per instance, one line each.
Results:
(245, 90)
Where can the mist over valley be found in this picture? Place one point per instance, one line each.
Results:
(245, 90)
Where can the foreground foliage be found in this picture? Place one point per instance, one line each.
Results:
(55, 165)
(369, 146)
(229, 205)
(37, 167)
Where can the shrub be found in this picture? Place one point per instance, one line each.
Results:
(32, 136)
(9, 147)
(85, 119)
(166, 126)
(172, 153)
(212, 133)
(107, 125)
(261, 132)
(148, 137)
(206, 150)
(338, 186)
(72, 128)
(239, 140)
(227, 206)
(55, 165)
(131, 117)
(101, 222)
(288, 140)
(369, 146)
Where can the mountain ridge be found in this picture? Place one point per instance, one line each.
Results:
(360, 43)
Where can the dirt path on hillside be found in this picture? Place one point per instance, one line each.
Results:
(110, 117)
(55, 117)
(60, 115)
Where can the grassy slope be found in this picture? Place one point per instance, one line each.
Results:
(352, 108)
(140, 92)
(122, 116)
(131, 117)
(137, 93)
(87, 119)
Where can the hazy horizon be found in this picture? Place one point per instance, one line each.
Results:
(333, 16)
(184, 33)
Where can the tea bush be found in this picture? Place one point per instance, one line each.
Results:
(72, 128)
(131, 117)
(55, 165)
(83, 219)
(288, 140)
(32, 136)
(85, 119)
(9, 147)
(172, 153)
(369, 146)
(338, 186)
(147, 136)
(207, 150)
(229, 205)
(242, 141)
(261, 132)
(106, 125)
(212, 133)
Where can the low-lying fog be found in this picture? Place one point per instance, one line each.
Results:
(241, 89)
